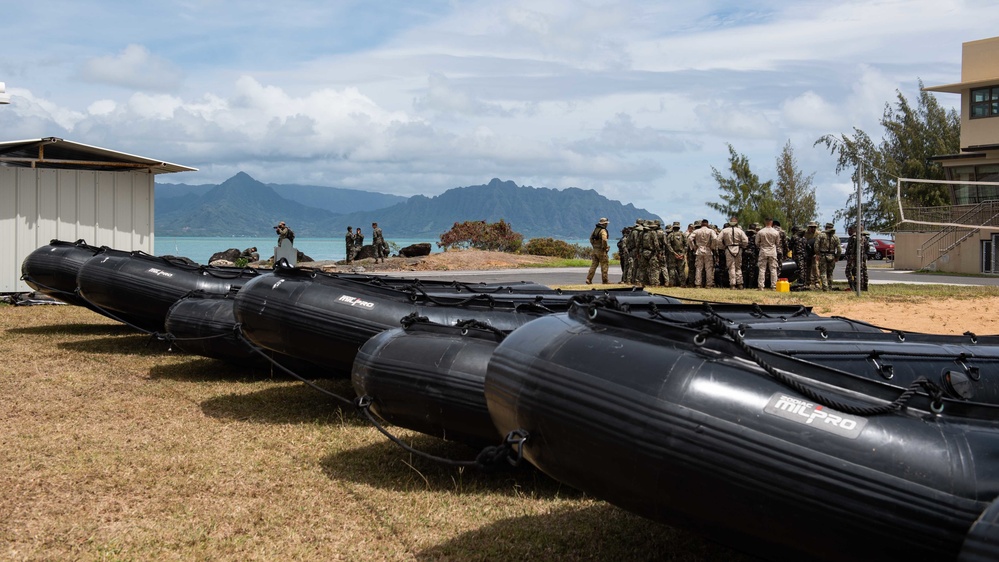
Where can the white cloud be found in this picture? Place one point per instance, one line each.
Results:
(134, 67)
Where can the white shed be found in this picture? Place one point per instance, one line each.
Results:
(52, 188)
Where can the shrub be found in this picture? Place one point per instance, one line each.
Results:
(497, 236)
(550, 247)
(241, 262)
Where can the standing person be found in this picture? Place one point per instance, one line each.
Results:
(358, 242)
(691, 256)
(828, 250)
(767, 241)
(652, 246)
(378, 241)
(676, 256)
(284, 233)
(734, 242)
(852, 275)
(799, 251)
(640, 259)
(624, 256)
(812, 257)
(751, 253)
(349, 244)
(598, 240)
(703, 241)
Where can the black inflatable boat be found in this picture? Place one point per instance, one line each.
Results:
(52, 269)
(767, 450)
(141, 288)
(325, 318)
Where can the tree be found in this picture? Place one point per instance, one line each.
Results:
(743, 195)
(795, 193)
(912, 136)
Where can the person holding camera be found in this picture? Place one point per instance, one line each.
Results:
(284, 232)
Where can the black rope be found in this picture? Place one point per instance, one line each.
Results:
(238, 331)
(510, 450)
(921, 383)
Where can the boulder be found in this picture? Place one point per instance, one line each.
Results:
(232, 254)
(415, 250)
(367, 251)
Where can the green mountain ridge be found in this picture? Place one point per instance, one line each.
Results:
(243, 206)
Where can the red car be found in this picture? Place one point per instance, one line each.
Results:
(883, 249)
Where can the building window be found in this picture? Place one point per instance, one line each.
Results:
(964, 194)
(984, 102)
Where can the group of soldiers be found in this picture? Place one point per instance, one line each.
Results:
(355, 241)
(705, 255)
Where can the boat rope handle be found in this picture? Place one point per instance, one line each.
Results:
(416, 291)
(935, 392)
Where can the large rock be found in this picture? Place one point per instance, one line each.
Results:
(415, 250)
(232, 254)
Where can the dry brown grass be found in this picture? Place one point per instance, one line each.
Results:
(114, 448)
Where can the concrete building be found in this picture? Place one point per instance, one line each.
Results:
(965, 249)
(52, 188)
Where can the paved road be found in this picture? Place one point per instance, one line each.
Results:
(878, 272)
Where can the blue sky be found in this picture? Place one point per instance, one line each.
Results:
(634, 99)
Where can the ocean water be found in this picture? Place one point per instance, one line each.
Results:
(201, 248)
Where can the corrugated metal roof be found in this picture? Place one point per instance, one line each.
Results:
(52, 152)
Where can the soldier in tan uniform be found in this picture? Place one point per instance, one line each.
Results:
(733, 242)
(703, 241)
(767, 241)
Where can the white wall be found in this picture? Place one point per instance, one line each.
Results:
(104, 208)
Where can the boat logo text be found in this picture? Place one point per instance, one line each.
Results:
(354, 301)
(159, 272)
(815, 415)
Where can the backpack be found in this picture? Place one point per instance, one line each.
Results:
(291, 235)
(595, 238)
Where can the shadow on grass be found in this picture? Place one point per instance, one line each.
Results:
(297, 403)
(600, 532)
(399, 470)
(203, 369)
(75, 330)
(131, 344)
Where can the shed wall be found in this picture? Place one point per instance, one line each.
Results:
(104, 208)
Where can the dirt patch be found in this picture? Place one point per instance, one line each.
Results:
(945, 316)
(451, 260)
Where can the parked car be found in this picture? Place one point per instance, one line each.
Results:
(871, 250)
(883, 249)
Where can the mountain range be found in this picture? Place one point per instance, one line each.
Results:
(243, 206)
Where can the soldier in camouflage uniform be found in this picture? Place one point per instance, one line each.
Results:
(851, 261)
(828, 251)
(638, 262)
(691, 257)
(623, 256)
(651, 251)
(676, 256)
(799, 251)
(811, 235)
(750, 272)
